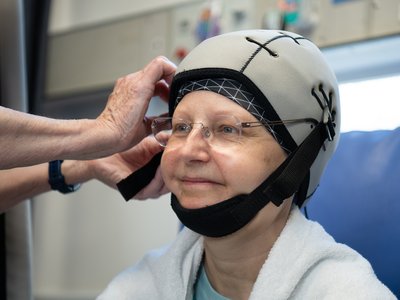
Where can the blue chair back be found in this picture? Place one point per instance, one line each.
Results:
(358, 200)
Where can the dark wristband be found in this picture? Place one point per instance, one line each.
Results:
(57, 180)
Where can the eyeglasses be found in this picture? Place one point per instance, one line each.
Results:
(223, 130)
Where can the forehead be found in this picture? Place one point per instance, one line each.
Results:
(209, 103)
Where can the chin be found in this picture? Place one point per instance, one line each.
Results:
(195, 202)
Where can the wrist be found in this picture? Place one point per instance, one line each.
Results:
(111, 138)
(77, 171)
(57, 180)
(88, 139)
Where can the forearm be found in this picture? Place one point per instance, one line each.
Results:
(28, 139)
(19, 184)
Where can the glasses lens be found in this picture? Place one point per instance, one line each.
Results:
(226, 130)
(180, 128)
(162, 129)
(221, 131)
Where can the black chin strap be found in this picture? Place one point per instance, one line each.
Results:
(288, 177)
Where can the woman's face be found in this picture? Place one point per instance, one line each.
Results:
(200, 174)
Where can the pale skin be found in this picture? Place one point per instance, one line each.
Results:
(28, 139)
(19, 184)
(200, 174)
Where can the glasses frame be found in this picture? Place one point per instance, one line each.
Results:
(243, 125)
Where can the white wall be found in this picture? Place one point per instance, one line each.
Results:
(68, 14)
(81, 241)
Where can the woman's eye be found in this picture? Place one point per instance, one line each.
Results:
(227, 129)
(181, 128)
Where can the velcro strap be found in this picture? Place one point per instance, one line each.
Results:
(287, 178)
(135, 182)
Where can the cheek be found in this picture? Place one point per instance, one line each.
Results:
(277, 157)
(249, 175)
(241, 172)
(167, 167)
(255, 167)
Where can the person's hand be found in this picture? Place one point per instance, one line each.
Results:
(123, 119)
(110, 170)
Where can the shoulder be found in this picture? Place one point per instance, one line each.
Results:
(306, 263)
(349, 276)
(334, 270)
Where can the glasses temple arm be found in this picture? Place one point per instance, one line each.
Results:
(282, 122)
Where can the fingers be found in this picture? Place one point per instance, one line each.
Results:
(151, 147)
(121, 122)
(160, 71)
(143, 152)
(160, 68)
(162, 90)
(139, 156)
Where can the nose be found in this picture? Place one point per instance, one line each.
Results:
(205, 131)
(196, 146)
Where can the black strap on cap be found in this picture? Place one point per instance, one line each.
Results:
(132, 184)
(287, 178)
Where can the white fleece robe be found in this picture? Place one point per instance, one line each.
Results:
(304, 263)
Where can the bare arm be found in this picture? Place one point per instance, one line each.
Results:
(27, 139)
(22, 183)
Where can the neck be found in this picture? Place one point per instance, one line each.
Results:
(233, 262)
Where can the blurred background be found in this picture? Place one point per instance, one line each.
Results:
(77, 243)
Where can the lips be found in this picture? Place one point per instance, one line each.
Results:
(198, 181)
